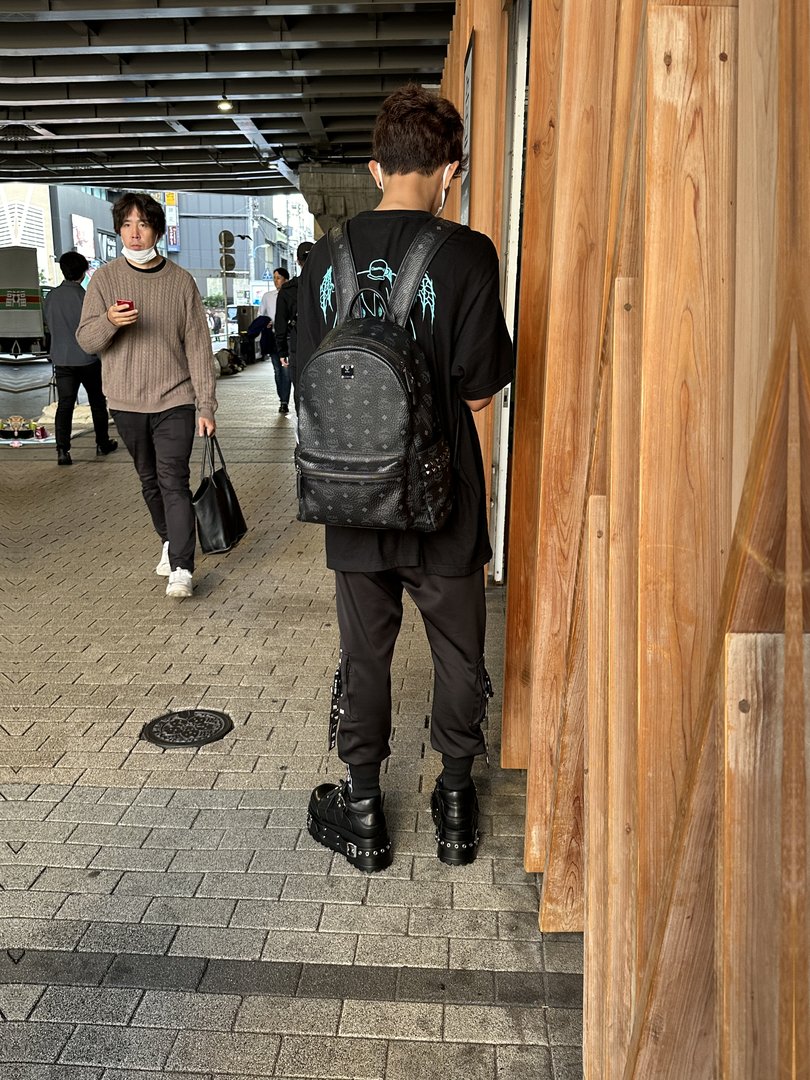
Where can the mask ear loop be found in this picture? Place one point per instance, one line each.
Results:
(444, 192)
(379, 177)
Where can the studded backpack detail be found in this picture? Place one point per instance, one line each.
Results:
(372, 452)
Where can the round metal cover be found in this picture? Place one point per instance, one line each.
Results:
(187, 727)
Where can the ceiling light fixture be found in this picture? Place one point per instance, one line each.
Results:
(224, 105)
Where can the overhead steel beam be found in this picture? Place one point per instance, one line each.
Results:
(143, 36)
(41, 11)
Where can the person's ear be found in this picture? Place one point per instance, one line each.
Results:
(375, 169)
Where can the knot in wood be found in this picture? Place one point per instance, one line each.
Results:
(745, 706)
(667, 59)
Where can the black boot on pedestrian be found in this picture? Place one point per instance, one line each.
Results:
(353, 827)
(63, 457)
(107, 447)
(284, 407)
(455, 815)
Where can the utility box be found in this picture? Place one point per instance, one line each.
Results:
(20, 296)
(245, 314)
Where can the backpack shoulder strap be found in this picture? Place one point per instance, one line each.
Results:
(425, 245)
(343, 270)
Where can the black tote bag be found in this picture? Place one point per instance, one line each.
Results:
(220, 524)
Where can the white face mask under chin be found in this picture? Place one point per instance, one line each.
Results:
(140, 257)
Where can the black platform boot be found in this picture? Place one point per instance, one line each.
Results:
(102, 449)
(354, 828)
(455, 815)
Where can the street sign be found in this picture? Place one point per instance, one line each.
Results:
(227, 262)
(226, 238)
(267, 275)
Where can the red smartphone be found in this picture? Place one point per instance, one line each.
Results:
(129, 304)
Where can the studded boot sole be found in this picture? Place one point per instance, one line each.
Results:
(367, 853)
(455, 815)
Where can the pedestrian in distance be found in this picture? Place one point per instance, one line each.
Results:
(144, 315)
(74, 368)
(448, 321)
(269, 344)
(286, 325)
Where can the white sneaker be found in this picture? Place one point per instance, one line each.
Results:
(164, 566)
(179, 583)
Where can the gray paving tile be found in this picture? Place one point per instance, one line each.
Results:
(124, 909)
(26, 1042)
(42, 934)
(86, 1005)
(330, 890)
(221, 943)
(290, 1016)
(392, 1019)
(403, 951)
(564, 955)
(115, 1047)
(247, 977)
(224, 1053)
(181, 911)
(409, 894)
(438, 922)
(155, 972)
(326, 1058)
(524, 1063)
(53, 966)
(227, 862)
(341, 981)
(187, 1011)
(439, 984)
(16, 1002)
(134, 883)
(563, 990)
(310, 947)
(77, 881)
(51, 855)
(127, 938)
(495, 897)
(279, 915)
(112, 858)
(564, 1027)
(16, 904)
(50, 1072)
(567, 1062)
(185, 839)
(439, 1061)
(495, 1024)
(19, 877)
(242, 886)
(495, 955)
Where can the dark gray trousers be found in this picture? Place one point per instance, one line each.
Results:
(369, 611)
(161, 445)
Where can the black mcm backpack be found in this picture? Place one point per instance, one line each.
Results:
(372, 453)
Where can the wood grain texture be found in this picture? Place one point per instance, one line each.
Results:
(596, 789)
(750, 885)
(572, 381)
(620, 961)
(684, 505)
(756, 235)
(538, 209)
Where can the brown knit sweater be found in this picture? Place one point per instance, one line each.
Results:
(164, 359)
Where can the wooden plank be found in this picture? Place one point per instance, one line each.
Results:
(620, 963)
(572, 381)
(794, 954)
(562, 906)
(684, 507)
(563, 901)
(756, 277)
(538, 211)
(596, 789)
(751, 882)
(674, 1030)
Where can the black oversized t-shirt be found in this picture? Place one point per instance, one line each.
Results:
(458, 321)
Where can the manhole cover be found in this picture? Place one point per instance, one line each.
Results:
(187, 727)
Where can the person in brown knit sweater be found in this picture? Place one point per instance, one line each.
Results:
(144, 316)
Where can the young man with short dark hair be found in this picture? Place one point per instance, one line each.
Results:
(145, 316)
(287, 314)
(458, 322)
(72, 366)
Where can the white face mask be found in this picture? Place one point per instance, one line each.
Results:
(140, 257)
(444, 190)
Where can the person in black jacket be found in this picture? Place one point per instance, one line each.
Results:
(286, 321)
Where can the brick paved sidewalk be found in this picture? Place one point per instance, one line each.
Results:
(166, 911)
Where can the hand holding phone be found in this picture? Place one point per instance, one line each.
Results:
(122, 313)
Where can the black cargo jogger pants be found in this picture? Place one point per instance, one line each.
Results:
(369, 611)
